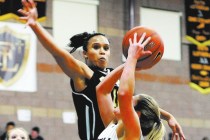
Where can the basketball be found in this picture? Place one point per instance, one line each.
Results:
(155, 45)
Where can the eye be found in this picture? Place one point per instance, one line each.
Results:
(13, 137)
(96, 46)
(106, 48)
(23, 138)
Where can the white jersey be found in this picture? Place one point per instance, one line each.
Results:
(110, 133)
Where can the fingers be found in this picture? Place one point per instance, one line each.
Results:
(32, 3)
(181, 135)
(21, 11)
(175, 135)
(23, 18)
(135, 38)
(25, 5)
(142, 42)
(28, 4)
(172, 136)
(130, 41)
(178, 136)
(142, 38)
(146, 41)
(180, 132)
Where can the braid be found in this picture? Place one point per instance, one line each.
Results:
(81, 39)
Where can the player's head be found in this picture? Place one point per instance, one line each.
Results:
(150, 121)
(96, 48)
(17, 134)
(10, 125)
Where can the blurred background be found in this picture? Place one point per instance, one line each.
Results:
(35, 92)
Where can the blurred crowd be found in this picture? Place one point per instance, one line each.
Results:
(12, 132)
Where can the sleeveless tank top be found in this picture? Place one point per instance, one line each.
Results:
(90, 124)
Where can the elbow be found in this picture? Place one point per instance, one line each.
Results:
(124, 95)
(124, 98)
(125, 92)
(124, 89)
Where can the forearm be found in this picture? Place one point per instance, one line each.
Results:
(127, 80)
(165, 115)
(64, 59)
(110, 80)
(46, 39)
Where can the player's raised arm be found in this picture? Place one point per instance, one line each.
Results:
(71, 66)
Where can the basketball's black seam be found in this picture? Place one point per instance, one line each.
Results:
(159, 54)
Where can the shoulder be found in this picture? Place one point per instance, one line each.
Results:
(40, 138)
(3, 135)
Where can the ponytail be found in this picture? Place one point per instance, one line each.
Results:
(151, 124)
(157, 132)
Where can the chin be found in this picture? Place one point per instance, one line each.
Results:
(103, 66)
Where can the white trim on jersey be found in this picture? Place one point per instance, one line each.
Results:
(87, 122)
(105, 72)
(87, 115)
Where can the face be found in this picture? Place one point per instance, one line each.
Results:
(98, 51)
(18, 134)
(34, 134)
(9, 127)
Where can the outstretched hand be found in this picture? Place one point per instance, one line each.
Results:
(29, 12)
(176, 128)
(136, 48)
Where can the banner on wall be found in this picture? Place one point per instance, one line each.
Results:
(17, 58)
(198, 33)
(8, 9)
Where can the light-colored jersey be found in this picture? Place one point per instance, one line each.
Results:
(109, 133)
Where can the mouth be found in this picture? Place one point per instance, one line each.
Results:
(102, 59)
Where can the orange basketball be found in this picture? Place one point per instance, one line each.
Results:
(155, 45)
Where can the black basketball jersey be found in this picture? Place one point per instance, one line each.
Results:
(90, 124)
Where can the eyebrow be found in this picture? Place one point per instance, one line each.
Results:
(105, 44)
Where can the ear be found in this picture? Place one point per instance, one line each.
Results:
(85, 54)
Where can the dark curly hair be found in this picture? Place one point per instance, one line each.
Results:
(81, 39)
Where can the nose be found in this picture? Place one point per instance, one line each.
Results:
(19, 138)
(102, 51)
